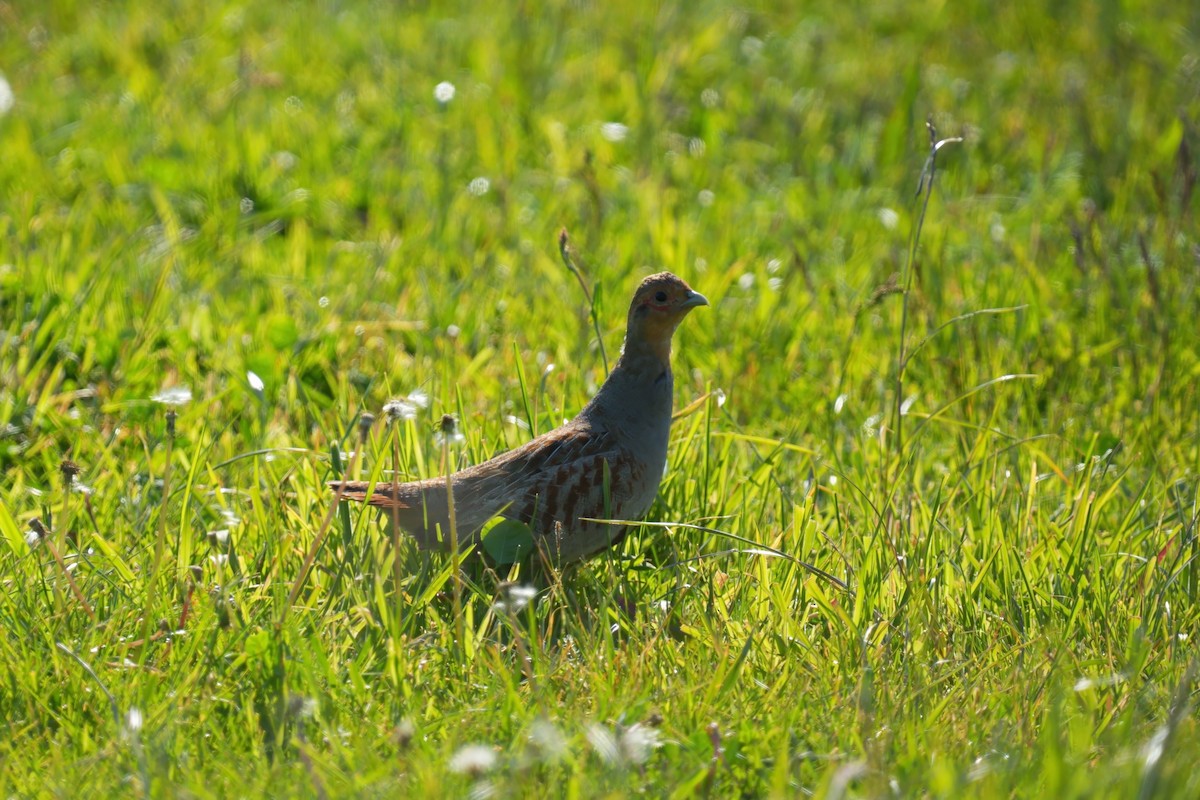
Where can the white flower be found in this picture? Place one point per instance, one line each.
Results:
(443, 92)
(473, 759)
(889, 218)
(479, 186)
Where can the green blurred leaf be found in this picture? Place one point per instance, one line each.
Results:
(282, 332)
(508, 541)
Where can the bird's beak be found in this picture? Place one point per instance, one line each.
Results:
(694, 299)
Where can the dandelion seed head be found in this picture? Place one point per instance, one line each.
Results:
(604, 742)
(752, 47)
(639, 741)
(284, 160)
(871, 426)
(173, 396)
(448, 432)
(398, 409)
(7, 98)
(473, 760)
(444, 92)
(547, 740)
(1153, 750)
(514, 598)
(405, 730)
(614, 131)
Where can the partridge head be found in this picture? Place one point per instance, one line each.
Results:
(606, 463)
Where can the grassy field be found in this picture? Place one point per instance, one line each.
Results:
(228, 230)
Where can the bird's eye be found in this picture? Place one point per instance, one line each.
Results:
(660, 296)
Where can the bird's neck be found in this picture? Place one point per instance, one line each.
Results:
(640, 388)
(646, 357)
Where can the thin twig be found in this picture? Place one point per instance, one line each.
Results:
(925, 186)
(322, 532)
(36, 526)
(449, 429)
(161, 534)
(564, 249)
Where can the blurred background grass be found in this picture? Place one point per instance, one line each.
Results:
(198, 191)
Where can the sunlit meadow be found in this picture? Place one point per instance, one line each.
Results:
(929, 522)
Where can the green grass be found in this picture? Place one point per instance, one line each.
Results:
(197, 191)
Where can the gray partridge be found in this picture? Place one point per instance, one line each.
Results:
(605, 463)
